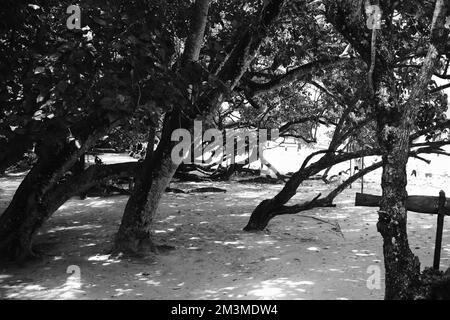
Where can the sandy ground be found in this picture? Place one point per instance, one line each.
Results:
(298, 258)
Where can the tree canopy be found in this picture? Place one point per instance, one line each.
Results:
(137, 70)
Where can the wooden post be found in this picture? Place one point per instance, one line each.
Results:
(362, 178)
(439, 228)
(350, 169)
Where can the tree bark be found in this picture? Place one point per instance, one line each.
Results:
(402, 267)
(395, 121)
(134, 235)
(269, 208)
(31, 205)
(18, 222)
(394, 124)
(198, 25)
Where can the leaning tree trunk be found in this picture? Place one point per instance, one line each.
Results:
(32, 203)
(28, 210)
(270, 208)
(134, 235)
(20, 220)
(35, 202)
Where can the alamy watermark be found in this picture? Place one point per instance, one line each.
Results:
(74, 280)
(374, 280)
(74, 20)
(210, 148)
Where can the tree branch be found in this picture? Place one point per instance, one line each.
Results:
(302, 73)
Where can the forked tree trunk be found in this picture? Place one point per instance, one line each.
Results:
(32, 206)
(134, 235)
(270, 208)
(266, 210)
(27, 210)
(39, 195)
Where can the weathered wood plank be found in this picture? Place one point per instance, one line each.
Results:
(439, 230)
(422, 204)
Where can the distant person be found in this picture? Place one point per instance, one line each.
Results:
(414, 173)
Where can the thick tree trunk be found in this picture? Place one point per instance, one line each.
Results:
(32, 206)
(20, 220)
(35, 199)
(402, 267)
(395, 122)
(27, 211)
(134, 235)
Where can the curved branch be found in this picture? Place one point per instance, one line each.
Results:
(301, 73)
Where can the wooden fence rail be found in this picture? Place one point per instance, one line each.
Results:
(421, 204)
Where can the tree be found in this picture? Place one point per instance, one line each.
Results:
(73, 88)
(396, 113)
(204, 93)
(135, 232)
(345, 107)
(400, 100)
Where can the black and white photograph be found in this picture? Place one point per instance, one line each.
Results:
(245, 152)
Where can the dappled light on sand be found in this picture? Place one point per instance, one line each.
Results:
(212, 258)
(280, 288)
(70, 289)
